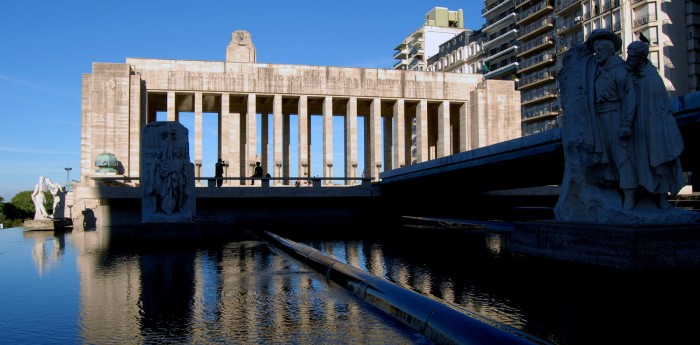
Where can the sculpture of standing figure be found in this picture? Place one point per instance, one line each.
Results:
(57, 193)
(39, 199)
(657, 140)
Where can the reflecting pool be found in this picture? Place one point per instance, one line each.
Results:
(70, 288)
(558, 302)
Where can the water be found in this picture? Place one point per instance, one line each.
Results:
(75, 288)
(561, 303)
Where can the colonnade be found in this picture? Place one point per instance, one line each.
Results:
(397, 132)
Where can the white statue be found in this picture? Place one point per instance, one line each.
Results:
(39, 198)
(57, 193)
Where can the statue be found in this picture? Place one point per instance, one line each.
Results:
(601, 137)
(39, 199)
(657, 140)
(167, 175)
(57, 193)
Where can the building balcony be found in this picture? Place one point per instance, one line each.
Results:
(535, 29)
(643, 19)
(536, 63)
(401, 46)
(509, 35)
(536, 46)
(400, 54)
(486, 12)
(533, 13)
(570, 27)
(509, 50)
(544, 96)
(501, 71)
(564, 7)
(499, 24)
(401, 64)
(537, 79)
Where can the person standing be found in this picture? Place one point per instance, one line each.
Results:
(219, 172)
(657, 140)
(614, 104)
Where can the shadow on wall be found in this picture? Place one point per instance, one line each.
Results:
(89, 220)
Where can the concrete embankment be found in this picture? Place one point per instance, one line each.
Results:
(438, 321)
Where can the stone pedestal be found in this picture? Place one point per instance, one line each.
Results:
(43, 224)
(633, 247)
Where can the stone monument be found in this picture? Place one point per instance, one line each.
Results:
(42, 220)
(167, 175)
(591, 189)
(613, 205)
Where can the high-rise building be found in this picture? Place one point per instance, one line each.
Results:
(440, 26)
(500, 41)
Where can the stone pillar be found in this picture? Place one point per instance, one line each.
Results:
(172, 112)
(351, 139)
(304, 159)
(198, 133)
(464, 126)
(225, 135)
(387, 154)
(399, 134)
(285, 148)
(422, 131)
(136, 123)
(250, 135)
(328, 137)
(265, 143)
(375, 153)
(443, 122)
(277, 134)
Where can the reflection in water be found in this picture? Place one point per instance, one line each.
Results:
(47, 250)
(562, 303)
(240, 291)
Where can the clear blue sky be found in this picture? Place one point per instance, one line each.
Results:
(47, 45)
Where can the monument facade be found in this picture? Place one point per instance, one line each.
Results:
(409, 116)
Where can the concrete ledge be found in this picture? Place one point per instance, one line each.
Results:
(638, 247)
(442, 323)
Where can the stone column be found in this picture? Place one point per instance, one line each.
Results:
(198, 133)
(464, 126)
(277, 135)
(328, 137)
(250, 135)
(422, 131)
(375, 153)
(351, 139)
(443, 136)
(172, 112)
(226, 135)
(285, 148)
(399, 134)
(388, 162)
(265, 143)
(304, 159)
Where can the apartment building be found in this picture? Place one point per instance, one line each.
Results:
(440, 26)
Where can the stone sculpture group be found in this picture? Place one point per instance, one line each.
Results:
(621, 142)
(39, 199)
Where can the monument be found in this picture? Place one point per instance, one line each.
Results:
(42, 219)
(621, 146)
(168, 200)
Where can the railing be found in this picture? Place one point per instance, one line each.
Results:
(206, 182)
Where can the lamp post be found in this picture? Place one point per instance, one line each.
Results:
(68, 169)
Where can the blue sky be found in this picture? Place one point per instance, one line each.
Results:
(48, 45)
